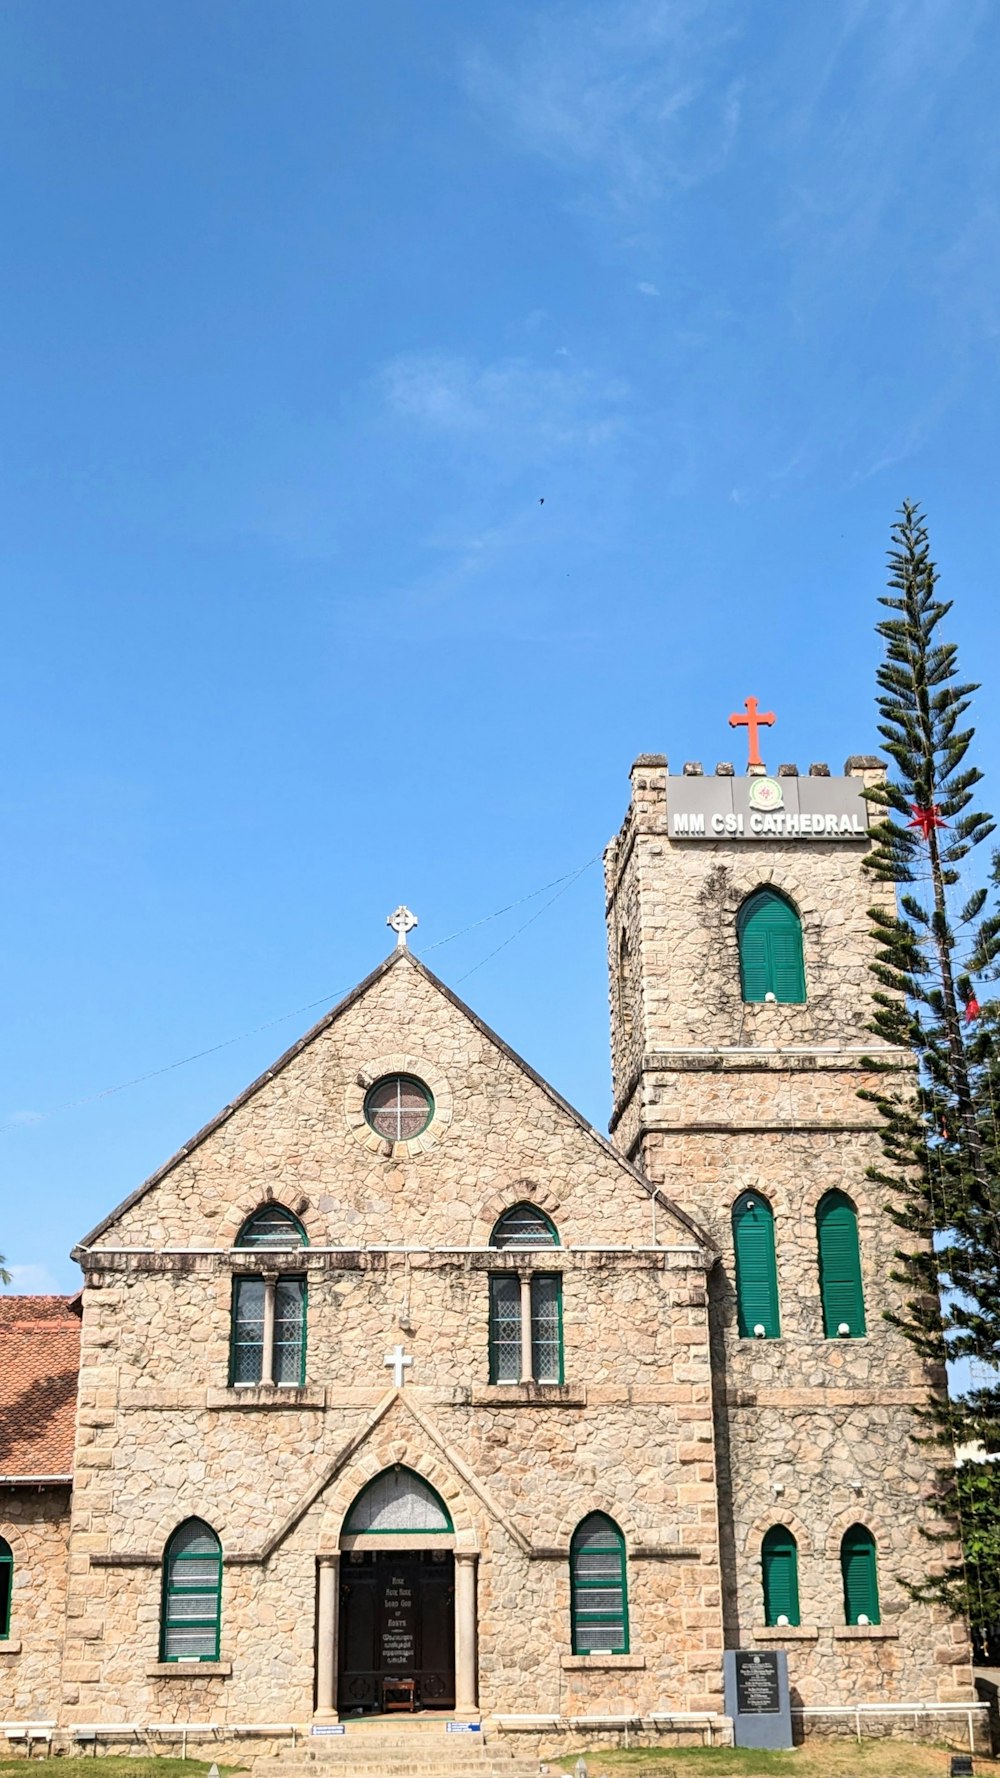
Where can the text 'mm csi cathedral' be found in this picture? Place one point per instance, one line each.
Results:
(399, 1386)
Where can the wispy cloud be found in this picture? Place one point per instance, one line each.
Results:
(646, 289)
(512, 408)
(618, 94)
(858, 124)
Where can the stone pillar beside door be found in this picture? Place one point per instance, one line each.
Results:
(465, 1633)
(326, 1642)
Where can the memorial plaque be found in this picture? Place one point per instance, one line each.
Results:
(757, 1692)
(757, 1697)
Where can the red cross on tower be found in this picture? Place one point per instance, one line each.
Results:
(753, 721)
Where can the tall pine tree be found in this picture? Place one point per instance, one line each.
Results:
(941, 1149)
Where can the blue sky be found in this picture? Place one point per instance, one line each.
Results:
(412, 413)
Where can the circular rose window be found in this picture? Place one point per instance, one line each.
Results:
(399, 1107)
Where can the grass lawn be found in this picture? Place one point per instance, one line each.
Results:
(821, 1759)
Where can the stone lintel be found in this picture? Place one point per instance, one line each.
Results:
(751, 1060)
(468, 1259)
(790, 1126)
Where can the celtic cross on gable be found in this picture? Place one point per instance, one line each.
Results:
(402, 922)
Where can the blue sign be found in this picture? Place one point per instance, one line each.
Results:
(463, 1728)
(326, 1728)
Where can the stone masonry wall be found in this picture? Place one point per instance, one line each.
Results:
(678, 901)
(35, 1523)
(811, 1433)
(274, 1471)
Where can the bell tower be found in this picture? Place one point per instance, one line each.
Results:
(703, 1049)
(739, 950)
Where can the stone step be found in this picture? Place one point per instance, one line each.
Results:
(482, 1762)
(416, 1758)
(303, 1763)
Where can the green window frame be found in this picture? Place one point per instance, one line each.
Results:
(6, 1587)
(598, 1581)
(506, 1310)
(840, 1284)
(769, 935)
(505, 1327)
(524, 1225)
(289, 1334)
(859, 1570)
(191, 1615)
(272, 1226)
(757, 1301)
(403, 1501)
(779, 1558)
(290, 1324)
(546, 1327)
(246, 1332)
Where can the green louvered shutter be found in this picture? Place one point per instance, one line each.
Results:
(780, 1565)
(756, 1270)
(840, 1267)
(770, 941)
(859, 1569)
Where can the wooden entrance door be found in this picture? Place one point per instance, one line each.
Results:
(397, 1621)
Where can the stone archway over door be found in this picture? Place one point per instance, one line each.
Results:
(397, 1602)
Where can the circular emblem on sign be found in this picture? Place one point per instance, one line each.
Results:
(766, 793)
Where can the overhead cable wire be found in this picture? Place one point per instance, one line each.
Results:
(564, 882)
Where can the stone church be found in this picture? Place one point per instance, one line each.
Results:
(402, 1389)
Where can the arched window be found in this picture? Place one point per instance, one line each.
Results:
(840, 1267)
(398, 1500)
(192, 1594)
(6, 1587)
(267, 1341)
(524, 1226)
(526, 1344)
(780, 1573)
(770, 941)
(859, 1569)
(272, 1227)
(757, 1311)
(598, 1587)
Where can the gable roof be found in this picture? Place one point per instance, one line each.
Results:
(39, 1363)
(399, 958)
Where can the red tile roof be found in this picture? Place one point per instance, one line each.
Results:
(39, 1361)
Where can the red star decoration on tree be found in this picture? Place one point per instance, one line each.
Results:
(925, 819)
(971, 1009)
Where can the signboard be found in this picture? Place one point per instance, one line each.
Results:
(463, 1728)
(756, 1682)
(766, 809)
(326, 1728)
(757, 1692)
